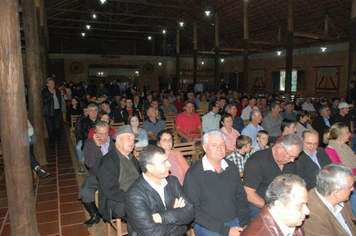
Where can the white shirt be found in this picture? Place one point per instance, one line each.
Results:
(308, 107)
(158, 188)
(245, 115)
(207, 166)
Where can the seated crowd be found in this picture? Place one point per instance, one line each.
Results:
(296, 160)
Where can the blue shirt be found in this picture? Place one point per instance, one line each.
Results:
(251, 131)
(149, 126)
(291, 116)
(314, 158)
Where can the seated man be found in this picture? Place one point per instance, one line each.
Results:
(323, 122)
(117, 170)
(330, 210)
(287, 127)
(245, 115)
(188, 120)
(105, 106)
(285, 210)
(159, 112)
(215, 188)
(312, 159)
(129, 110)
(94, 149)
(289, 113)
(253, 127)
(263, 166)
(243, 149)
(168, 108)
(153, 125)
(155, 203)
(272, 122)
(308, 105)
(238, 122)
(211, 121)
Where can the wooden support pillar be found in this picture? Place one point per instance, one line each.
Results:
(289, 47)
(13, 124)
(32, 25)
(217, 50)
(177, 59)
(352, 49)
(326, 26)
(195, 54)
(43, 32)
(246, 43)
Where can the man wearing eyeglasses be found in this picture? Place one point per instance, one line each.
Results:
(262, 167)
(312, 159)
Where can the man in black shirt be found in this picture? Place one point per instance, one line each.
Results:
(214, 186)
(263, 166)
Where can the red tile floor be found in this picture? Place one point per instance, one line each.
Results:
(59, 212)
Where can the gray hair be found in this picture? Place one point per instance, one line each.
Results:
(332, 177)
(213, 132)
(310, 131)
(49, 79)
(289, 141)
(92, 105)
(147, 154)
(253, 113)
(274, 105)
(102, 124)
(323, 108)
(228, 107)
(280, 189)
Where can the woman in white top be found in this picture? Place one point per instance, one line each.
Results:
(303, 124)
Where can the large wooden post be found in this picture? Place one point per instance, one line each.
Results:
(217, 50)
(246, 43)
(177, 59)
(352, 50)
(32, 26)
(14, 135)
(195, 54)
(43, 32)
(289, 47)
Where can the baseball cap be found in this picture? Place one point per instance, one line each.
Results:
(343, 105)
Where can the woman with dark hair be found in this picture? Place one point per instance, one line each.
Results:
(103, 116)
(302, 125)
(297, 105)
(142, 137)
(179, 165)
(74, 108)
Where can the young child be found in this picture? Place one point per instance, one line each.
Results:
(243, 149)
(262, 141)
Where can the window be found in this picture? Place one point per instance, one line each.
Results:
(282, 80)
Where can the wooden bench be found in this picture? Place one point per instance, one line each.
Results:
(188, 150)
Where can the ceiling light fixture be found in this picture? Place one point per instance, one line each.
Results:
(83, 34)
(149, 37)
(159, 63)
(102, 1)
(323, 49)
(202, 63)
(163, 31)
(88, 26)
(207, 13)
(94, 16)
(181, 23)
(222, 59)
(279, 53)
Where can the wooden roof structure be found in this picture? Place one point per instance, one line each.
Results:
(315, 22)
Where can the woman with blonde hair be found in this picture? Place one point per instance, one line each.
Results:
(340, 152)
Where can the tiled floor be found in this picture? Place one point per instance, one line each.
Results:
(59, 212)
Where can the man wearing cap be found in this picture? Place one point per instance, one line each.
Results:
(334, 106)
(343, 115)
(117, 170)
(288, 111)
(322, 102)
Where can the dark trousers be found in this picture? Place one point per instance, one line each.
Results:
(34, 162)
(53, 124)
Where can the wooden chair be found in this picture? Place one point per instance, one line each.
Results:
(120, 227)
(73, 119)
(187, 149)
(170, 125)
(246, 122)
(199, 132)
(115, 126)
(170, 117)
(200, 112)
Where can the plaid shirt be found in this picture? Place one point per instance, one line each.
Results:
(238, 159)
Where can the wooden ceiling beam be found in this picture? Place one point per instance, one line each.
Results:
(311, 36)
(113, 14)
(110, 30)
(107, 23)
(240, 49)
(261, 42)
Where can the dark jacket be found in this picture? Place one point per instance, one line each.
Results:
(93, 154)
(141, 201)
(108, 176)
(265, 225)
(308, 170)
(85, 126)
(48, 101)
(78, 127)
(238, 124)
(125, 114)
(320, 126)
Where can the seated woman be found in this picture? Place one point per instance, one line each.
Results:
(230, 132)
(179, 166)
(302, 125)
(142, 138)
(340, 152)
(103, 116)
(74, 109)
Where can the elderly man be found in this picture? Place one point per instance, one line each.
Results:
(215, 188)
(51, 110)
(168, 108)
(153, 125)
(187, 120)
(211, 120)
(252, 129)
(330, 210)
(312, 159)
(263, 166)
(272, 122)
(247, 110)
(285, 210)
(308, 105)
(94, 149)
(172, 209)
(323, 122)
(117, 170)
